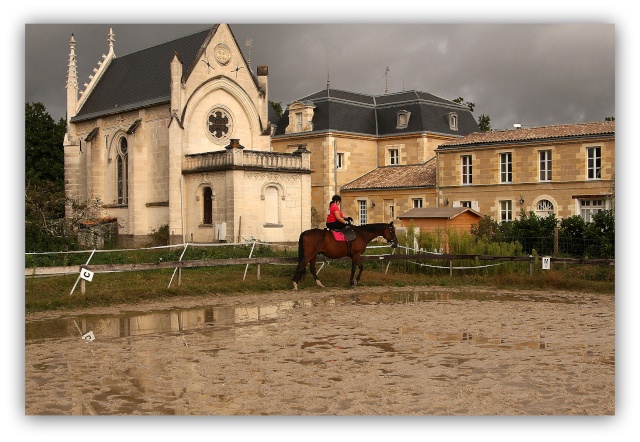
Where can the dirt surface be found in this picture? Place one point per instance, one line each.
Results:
(395, 351)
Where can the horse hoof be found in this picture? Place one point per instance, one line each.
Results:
(319, 283)
(295, 286)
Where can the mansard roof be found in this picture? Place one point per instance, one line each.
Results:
(394, 177)
(142, 78)
(376, 115)
(534, 134)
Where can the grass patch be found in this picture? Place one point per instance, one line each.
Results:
(52, 293)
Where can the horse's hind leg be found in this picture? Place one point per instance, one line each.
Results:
(312, 266)
(354, 263)
(298, 274)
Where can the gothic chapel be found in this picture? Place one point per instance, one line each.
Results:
(179, 134)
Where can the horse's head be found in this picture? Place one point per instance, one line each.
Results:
(390, 235)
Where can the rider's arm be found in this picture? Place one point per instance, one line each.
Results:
(339, 217)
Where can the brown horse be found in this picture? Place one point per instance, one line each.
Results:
(317, 241)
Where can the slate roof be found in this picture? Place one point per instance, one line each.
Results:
(140, 79)
(437, 212)
(395, 177)
(376, 115)
(533, 134)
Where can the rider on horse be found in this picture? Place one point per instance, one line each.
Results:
(335, 218)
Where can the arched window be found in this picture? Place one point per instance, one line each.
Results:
(123, 171)
(207, 205)
(544, 208)
(271, 206)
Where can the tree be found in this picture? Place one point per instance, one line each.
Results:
(600, 234)
(44, 151)
(610, 119)
(469, 104)
(487, 228)
(484, 121)
(276, 107)
(44, 181)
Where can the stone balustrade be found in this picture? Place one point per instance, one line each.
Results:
(234, 157)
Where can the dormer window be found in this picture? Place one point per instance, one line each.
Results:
(402, 121)
(300, 117)
(453, 120)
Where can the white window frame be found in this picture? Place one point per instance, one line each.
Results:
(545, 165)
(506, 211)
(362, 211)
(594, 162)
(544, 208)
(591, 206)
(506, 168)
(394, 157)
(402, 119)
(298, 121)
(416, 203)
(453, 121)
(467, 169)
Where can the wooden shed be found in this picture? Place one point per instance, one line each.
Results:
(443, 219)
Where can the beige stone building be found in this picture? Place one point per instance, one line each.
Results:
(180, 135)
(351, 135)
(565, 169)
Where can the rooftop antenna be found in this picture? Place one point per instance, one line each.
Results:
(248, 43)
(386, 81)
(328, 85)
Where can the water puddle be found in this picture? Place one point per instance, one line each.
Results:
(197, 318)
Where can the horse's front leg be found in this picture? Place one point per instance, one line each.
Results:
(356, 262)
(352, 281)
(312, 266)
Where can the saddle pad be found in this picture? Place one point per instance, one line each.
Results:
(339, 236)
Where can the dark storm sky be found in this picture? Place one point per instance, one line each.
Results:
(532, 74)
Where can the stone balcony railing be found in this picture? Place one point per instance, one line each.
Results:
(235, 157)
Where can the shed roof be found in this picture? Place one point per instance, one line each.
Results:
(437, 212)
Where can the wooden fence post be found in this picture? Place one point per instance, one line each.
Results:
(530, 265)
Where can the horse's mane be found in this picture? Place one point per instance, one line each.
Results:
(376, 227)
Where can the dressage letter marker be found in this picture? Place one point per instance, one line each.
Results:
(546, 262)
(89, 336)
(87, 275)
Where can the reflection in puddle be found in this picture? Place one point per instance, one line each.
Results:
(178, 320)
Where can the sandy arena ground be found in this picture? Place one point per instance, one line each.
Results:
(397, 351)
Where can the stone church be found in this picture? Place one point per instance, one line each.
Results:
(179, 134)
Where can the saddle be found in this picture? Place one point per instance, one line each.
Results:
(345, 235)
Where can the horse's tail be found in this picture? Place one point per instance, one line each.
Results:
(300, 248)
(300, 272)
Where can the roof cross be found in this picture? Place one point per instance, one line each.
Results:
(206, 61)
(238, 67)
